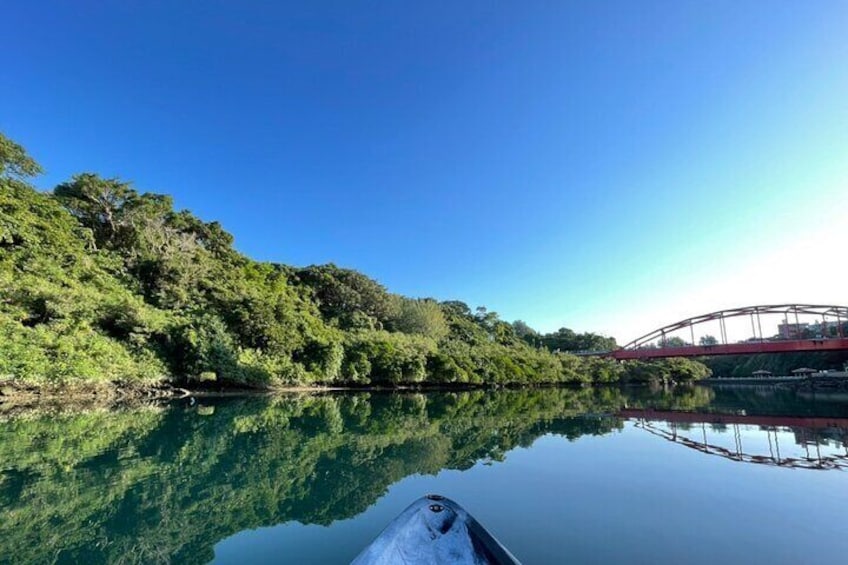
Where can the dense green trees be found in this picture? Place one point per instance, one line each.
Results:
(64, 313)
(419, 316)
(101, 282)
(708, 340)
(14, 161)
(778, 364)
(565, 339)
(675, 369)
(348, 299)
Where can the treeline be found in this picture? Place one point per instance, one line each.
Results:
(731, 366)
(101, 282)
(564, 339)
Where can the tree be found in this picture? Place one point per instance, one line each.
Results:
(708, 340)
(487, 320)
(523, 331)
(462, 323)
(15, 162)
(169, 263)
(456, 308)
(565, 339)
(97, 203)
(349, 298)
(419, 316)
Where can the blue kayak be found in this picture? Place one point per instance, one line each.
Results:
(435, 530)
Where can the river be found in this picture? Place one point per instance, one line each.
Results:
(696, 475)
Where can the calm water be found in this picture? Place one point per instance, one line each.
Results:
(559, 476)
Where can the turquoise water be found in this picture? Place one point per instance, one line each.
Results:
(558, 476)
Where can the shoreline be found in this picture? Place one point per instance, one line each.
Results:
(15, 394)
(58, 397)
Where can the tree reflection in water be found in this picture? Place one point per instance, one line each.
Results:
(159, 483)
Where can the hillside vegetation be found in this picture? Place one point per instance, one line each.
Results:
(99, 282)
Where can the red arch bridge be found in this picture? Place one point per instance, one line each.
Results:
(800, 327)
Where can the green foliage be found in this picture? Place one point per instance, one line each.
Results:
(14, 161)
(707, 340)
(419, 316)
(681, 369)
(565, 339)
(347, 298)
(100, 282)
(664, 370)
(778, 364)
(462, 324)
(44, 354)
(99, 204)
(381, 357)
(523, 331)
(602, 370)
(64, 316)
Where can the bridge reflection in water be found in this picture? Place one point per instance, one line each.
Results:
(791, 442)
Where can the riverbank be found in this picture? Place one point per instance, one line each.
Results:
(120, 391)
(25, 398)
(758, 381)
(18, 399)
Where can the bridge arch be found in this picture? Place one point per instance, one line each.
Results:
(653, 344)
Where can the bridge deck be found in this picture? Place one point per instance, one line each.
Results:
(747, 348)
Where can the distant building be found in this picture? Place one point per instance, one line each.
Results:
(791, 331)
(787, 330)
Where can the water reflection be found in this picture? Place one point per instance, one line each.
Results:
(160, 483)
(749, 425)
(820, 448)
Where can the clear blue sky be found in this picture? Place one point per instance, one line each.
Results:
(606, 166)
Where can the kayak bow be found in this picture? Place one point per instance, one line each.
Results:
(435, 530)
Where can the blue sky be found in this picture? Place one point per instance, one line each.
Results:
(607, 166)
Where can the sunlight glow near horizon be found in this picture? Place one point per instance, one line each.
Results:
(798, 267)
